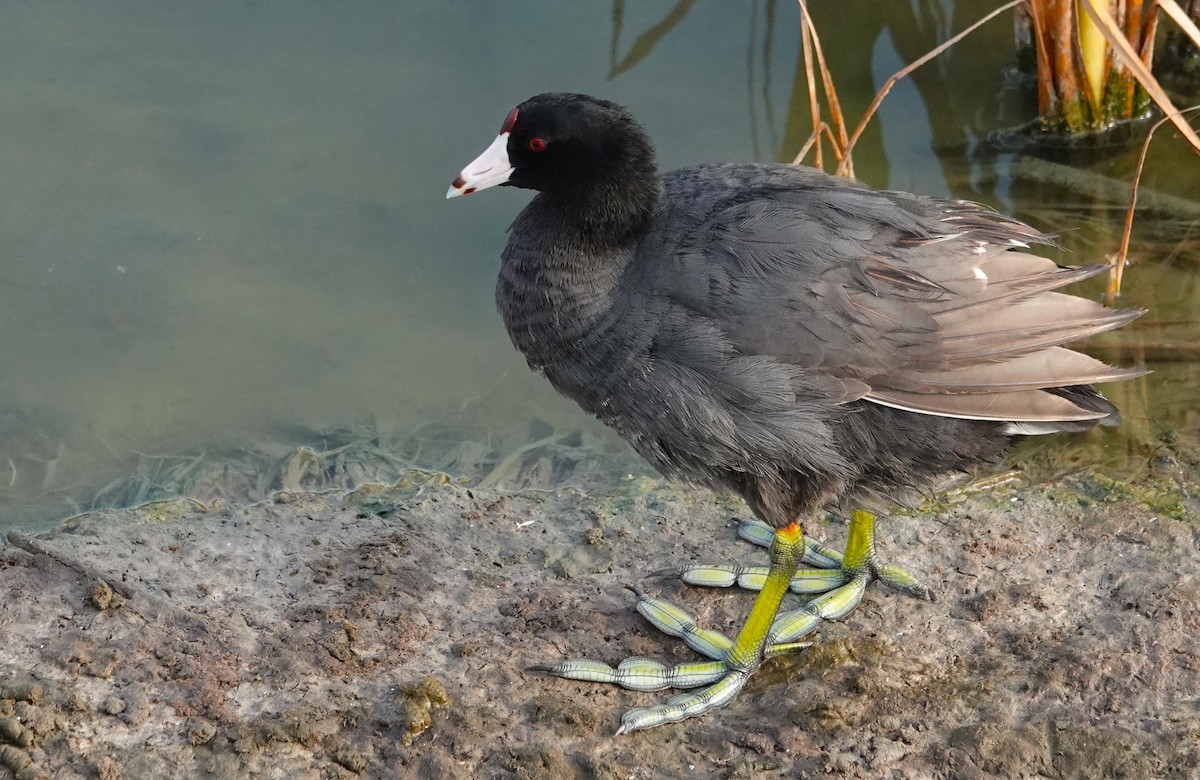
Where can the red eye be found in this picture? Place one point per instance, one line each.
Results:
(537, 145)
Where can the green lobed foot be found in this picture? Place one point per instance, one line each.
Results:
(840, 579)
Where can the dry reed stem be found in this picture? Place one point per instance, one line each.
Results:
(1148, 34)
(1134, 23)
(1045, 72)
(813, 138)
(836, 121)
(814, 105)
(1118, 270)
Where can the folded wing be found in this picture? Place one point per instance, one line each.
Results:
(926, 305)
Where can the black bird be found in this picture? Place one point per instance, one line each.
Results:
(798, 339)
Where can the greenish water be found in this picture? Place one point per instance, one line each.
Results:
(223, 234)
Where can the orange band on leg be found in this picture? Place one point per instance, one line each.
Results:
(792, 532)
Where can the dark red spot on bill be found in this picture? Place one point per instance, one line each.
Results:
(509, 121)
(458, 183)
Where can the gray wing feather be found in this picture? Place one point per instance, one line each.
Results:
(920, 304)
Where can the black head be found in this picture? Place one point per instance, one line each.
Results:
(565, 144)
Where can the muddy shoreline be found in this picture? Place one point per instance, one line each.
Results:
(384, 632)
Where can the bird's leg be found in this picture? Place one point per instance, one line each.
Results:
(831, 569)
(733, 661)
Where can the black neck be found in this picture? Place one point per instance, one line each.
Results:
(610, 213)
(561, 269)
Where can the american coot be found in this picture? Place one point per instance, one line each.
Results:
(795, 338)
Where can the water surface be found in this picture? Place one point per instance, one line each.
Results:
(224, 236)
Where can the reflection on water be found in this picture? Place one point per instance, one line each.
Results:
(228, 267)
